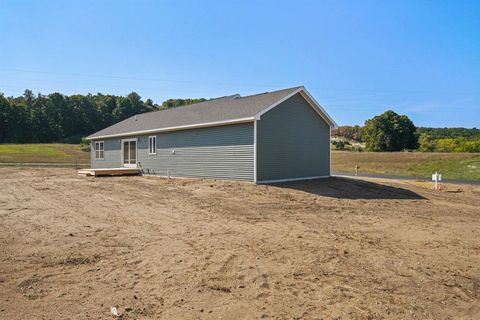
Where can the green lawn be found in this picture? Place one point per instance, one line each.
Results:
(465, 166)
(43, 153)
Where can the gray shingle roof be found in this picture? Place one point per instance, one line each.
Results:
(214, 110)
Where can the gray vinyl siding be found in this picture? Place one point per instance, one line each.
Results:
(222, 152)
(112, 154)
(293, 141)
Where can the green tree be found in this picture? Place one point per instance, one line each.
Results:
(29, 97)
(341, 144)
(171, 103)
(104, 105)
(17, 124)
(390, 132)
(426, 143)
(60, 118)
(137, 105)
(472, 146)
(149, 104)
(438, 133)
(4, 108)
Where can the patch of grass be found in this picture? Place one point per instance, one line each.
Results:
(465, 166)
(43, 153)
(465, 169)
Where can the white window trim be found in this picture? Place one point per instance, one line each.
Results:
(154, 145)
(99, 150)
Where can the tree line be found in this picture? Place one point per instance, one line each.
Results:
(449, 139)
(56, 117)
(393, 132)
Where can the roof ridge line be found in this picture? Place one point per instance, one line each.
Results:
(257, 94)
(223, 97)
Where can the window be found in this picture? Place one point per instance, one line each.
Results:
(99, 151)
(152, 145)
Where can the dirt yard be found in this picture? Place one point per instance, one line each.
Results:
(72, 247)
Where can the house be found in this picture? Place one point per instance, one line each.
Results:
(268, 137)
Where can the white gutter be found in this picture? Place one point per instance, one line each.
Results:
(190, 126)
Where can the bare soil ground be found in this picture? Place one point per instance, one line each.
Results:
(72, 247)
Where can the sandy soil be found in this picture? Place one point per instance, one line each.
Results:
(73, 247)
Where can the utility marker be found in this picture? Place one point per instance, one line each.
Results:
(436, 177)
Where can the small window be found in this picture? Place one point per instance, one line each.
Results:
(152, 145)
(99, 151)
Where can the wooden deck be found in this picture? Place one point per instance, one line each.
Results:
(109, 172)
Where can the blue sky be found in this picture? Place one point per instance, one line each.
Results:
(358, 58)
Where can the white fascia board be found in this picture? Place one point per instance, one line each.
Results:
(259, 114)
(190, 126)
(311, 101)
(318, 108)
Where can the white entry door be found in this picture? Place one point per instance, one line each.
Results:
(129, 151)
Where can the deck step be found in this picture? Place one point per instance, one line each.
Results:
(109, 172)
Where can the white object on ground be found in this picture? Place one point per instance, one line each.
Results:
(114, 311)
(436, 177)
